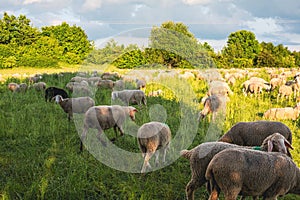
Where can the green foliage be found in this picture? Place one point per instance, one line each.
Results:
(130, 59)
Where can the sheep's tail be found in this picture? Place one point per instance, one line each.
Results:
(186, 153)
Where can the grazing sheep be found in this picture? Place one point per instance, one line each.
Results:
(107, 84)
(254, 133)
(153, 136)
(110, 76)
(105, 117)
(252, 173)
(277, 82)
(215, 104)
(129, 96)
(284, 91)
(74, 105)
(119, 85)
(51, 92)
(140, 84)
(257, 87)
(35, 78)
(13, 86)
(201, 155)
(219, 88)
(22, 87)
(40, 86)
(283, 113)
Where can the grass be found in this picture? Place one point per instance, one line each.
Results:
(39, 148)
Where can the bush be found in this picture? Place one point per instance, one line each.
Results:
(37, 61)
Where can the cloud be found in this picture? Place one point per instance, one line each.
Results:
(91, 5)
(194, 2)
(264, 26)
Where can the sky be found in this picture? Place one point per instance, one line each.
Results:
(130, 21)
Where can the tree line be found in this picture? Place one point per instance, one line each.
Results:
(21, 44)
(170, 44)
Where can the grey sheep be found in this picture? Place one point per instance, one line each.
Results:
(153, 136)
(107, 84)
(201, 155)
(119, 85)
(74, 105)
(140, 84)
(129, 96)
(215, 104)
(283, 113)
(40, 86)
(252, 173)
(106, 117)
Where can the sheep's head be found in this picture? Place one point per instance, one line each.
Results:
(58, 98)
(131, 111)
(277, 143)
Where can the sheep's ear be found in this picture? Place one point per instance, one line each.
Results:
(135, 110)
(287, 144)
(270, 146)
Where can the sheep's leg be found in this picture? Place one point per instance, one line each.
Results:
(157, 158)
(191, 187)
(165, 152)
(99, 137)
(146, 161)
(83, 136)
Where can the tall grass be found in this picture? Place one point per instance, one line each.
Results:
(40, 157)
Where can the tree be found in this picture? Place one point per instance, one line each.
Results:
(72, 39)
(17, 30)
(241, 45)
(177, 47)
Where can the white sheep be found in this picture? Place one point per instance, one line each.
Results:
(153, 136)
(201, 155)
(40, 86)
(219, 88)
(129, 96)
(252, 173)
(105, 117)
(74, 105)
(283, 113)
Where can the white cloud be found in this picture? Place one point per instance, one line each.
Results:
(264, 26)
(91, 5)
(194, 2)
(31, 1)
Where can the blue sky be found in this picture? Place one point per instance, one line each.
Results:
(129, 21)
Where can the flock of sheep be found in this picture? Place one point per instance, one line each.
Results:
(251, 159)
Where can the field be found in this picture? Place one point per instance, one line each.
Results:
(39, 147)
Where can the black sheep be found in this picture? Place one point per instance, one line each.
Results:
(51, 92)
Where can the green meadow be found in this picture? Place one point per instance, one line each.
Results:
(39, 147)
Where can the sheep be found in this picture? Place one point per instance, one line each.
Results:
(129, 96)
(51, 92)
(105, 117)
(253, 133)
(215, 104)
(283, 113)
(153, 136)
(284, 91)
(35, 78)
(119, 85)
(252, 173)
(110, 76)
(201, 155)
(74, 105)
(40, 86)
(257, 87)
(13, 86)
(108, 84)
(276, 82)
(219, 87)
(140, 84)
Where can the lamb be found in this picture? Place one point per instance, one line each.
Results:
(201, 155)
(51, 92)
(129, 96)
(252, 173)
(215, 104)
(74, 105)
(105, 117)
(153, 136)
(283, 113)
